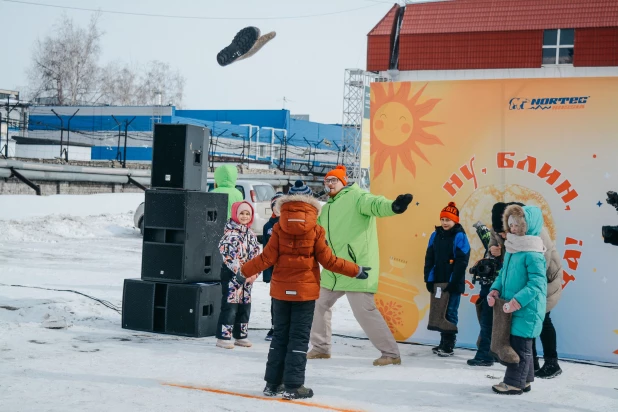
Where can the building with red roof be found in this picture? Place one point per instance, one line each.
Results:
(461, 39)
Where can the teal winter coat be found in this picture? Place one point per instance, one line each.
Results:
(523, 277)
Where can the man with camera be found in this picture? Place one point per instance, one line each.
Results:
(550, 369)
(485, 272)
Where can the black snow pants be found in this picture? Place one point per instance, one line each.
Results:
(287, 357)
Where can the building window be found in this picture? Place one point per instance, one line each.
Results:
(558, 46)
(264, 150)
(276, 152)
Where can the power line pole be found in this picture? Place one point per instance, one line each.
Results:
(119, 155)
(69, 135)
(61, 130)
(126, 133)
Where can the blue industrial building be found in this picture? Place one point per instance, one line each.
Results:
(267, 136)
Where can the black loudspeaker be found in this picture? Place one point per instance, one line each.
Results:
(180, 157)
(182, 230)
(176, 309)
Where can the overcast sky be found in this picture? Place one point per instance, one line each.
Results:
(305, 62)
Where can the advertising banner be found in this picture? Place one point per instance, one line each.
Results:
(552, 143)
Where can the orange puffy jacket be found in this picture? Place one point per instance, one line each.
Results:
(296, 249)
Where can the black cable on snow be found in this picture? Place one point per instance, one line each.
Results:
(105, 303)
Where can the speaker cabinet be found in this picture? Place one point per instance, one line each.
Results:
(182, 230)
(176, 309)
(180, 157)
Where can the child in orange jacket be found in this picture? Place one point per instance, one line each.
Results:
(296, 249)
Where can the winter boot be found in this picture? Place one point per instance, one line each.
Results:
(297, 393)
(550, 369)
(314, 354)
(449, 345)
(537, 366)
(385, 360)
(245, 343)
(479, 362)
(225, 344)
(272, 389)
(261, 42)
(501, 336)
(504, 389)
(242, 43)
(435, 349)
(528, 387)
(437, 311)
(269, 335)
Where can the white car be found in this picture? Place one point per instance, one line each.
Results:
(256, 193)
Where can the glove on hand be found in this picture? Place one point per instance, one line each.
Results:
(400, 204)
(429, 286)
(511, 306)
(491, 298)
(362, 272)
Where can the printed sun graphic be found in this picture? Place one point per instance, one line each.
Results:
(396, 125)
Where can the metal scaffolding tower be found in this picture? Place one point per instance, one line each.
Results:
(353, 94)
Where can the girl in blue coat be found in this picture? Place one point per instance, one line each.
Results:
(523, 284)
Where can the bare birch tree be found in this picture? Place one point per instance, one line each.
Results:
(65, 69)
(130, 85)
(65, 63)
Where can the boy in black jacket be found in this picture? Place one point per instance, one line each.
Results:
(268, 230)
(446, 261)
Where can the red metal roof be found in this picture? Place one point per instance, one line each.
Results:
(457, 16)
(385, 26)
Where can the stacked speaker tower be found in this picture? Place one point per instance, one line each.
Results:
(179, 291)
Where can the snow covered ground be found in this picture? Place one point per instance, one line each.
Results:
(88, 244)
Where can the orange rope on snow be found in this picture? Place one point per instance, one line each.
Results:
(261, 398)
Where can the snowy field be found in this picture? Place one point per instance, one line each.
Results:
(88, 244)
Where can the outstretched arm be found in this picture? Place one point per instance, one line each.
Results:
(379, 206)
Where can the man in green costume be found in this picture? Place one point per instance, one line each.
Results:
(350, 224)
(225, 182)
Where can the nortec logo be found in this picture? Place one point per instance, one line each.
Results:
(548, 103)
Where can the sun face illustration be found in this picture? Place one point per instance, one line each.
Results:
(397, 127)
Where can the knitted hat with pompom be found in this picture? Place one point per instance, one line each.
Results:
(450, 212)
(300, 188)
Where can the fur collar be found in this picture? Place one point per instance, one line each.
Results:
(310, 200)
(520, 218)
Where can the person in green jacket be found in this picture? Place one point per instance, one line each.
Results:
(225, 182)
(349, 219)
(522, 282)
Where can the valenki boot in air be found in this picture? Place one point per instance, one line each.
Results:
(242, 43)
